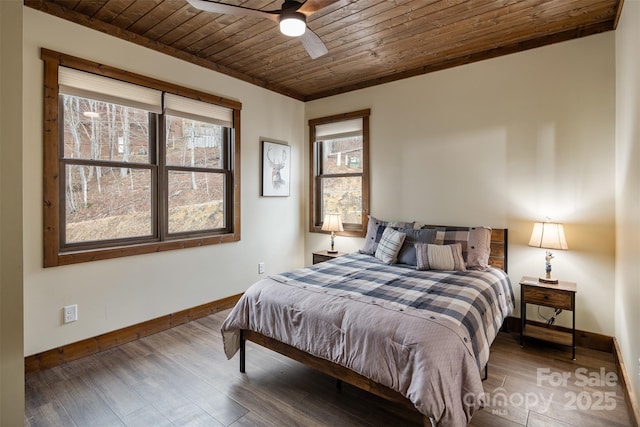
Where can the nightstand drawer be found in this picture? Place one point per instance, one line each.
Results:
(322, 256)
(318, 258)
(548, 297)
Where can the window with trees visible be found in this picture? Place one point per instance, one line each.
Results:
(339, 147)
(134, 165)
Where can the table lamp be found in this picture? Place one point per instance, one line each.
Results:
(332, 223)
(548, 235)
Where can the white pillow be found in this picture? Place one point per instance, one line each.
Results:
(389, 246)
(440, 257)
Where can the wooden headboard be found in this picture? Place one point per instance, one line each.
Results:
(499, 244)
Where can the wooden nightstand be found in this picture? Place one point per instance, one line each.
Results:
(322, 256)
(562, 295)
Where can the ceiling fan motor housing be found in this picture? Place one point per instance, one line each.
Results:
(291, 4)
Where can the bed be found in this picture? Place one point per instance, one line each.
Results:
(418, 337)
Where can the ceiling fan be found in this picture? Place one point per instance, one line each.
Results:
(292, 18)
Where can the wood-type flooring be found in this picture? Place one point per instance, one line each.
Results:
(180, 377)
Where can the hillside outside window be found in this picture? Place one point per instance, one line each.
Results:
(131, 167)
(340, 170)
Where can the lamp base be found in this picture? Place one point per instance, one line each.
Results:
(332, 251)
(548, 280)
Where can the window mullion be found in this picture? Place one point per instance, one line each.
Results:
(318, 198)
(320, 161)
(228, 138)
(105, 163)
(341, 175)
(195, 169)
(319, 149)
(159, 144)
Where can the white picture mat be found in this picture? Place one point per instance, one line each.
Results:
(276, 169)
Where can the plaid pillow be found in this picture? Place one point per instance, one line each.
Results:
(389, 246)
(375, 227)
(475, 241)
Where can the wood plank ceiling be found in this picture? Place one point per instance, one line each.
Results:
(369, 41)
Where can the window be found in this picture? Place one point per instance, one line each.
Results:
(131, 167)
(340, 170)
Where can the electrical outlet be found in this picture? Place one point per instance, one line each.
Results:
(70, 313)
(261, 268)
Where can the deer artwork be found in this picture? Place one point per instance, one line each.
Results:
(276, 167)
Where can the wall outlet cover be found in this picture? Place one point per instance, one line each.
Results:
(70, 313)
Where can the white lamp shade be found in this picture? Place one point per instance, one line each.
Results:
(332, 222)
(548, 235)
(292, 26)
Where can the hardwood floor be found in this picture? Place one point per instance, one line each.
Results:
(181, 377)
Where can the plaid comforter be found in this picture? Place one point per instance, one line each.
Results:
(425, 334)
(474, 303)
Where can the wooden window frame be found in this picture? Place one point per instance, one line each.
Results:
(53, 196)
(315, 188)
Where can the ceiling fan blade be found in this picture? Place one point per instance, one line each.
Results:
(227, 9)
(313, 45)
(311, 6)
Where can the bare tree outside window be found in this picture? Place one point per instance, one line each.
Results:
(104, 199)
(131, 168)
(196, 196)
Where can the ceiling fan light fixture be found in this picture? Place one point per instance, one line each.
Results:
(292, 18)
(293, 24)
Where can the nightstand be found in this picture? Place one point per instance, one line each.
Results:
(322, 256)
(560, 296)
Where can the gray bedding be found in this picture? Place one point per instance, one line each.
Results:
(425, 334)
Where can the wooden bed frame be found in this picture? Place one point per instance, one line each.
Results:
(498, 259)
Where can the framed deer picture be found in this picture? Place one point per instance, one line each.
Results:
(276, 169)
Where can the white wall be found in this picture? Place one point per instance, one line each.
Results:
(116, 293)
(537, 128)
(531, 133)
(503, 142)
(11, 340)
(627, 316)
